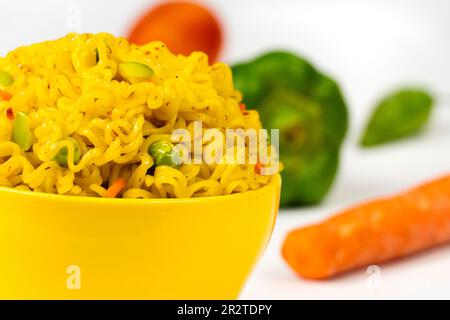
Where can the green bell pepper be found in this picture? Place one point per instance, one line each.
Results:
(21, 131)
(61, 156)
(309, 109)
(6, 79)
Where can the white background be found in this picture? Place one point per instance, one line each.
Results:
(370, 47)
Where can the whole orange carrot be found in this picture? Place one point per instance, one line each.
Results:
(372, 233)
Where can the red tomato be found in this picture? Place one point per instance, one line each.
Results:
(183, 26)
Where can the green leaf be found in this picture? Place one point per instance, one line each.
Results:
(399, 115)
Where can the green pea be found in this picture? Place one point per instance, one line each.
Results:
(61, 156)
(21, 132)
(164, 153)
(6, 79)
(135, 71)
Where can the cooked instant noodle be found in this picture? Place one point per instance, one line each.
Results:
(92, 115)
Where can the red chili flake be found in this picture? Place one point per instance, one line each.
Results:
(243, 107)
(10, 113)
(258, 167)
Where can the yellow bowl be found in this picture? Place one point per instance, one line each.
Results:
(60, 247)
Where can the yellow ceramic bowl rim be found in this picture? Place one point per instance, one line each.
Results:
(51, 196)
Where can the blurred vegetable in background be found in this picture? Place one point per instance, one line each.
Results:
(183, 26)
(399, 115)
(311, 114)
(373, 232)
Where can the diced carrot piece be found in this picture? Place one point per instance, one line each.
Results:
(115, 188)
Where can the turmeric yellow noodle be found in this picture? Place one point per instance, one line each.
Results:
(71, 90)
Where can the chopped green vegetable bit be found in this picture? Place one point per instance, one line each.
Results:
(164, 153)
(61, 156)
(21, 132)
(135, 71)
(6, 79)
(399, 115)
